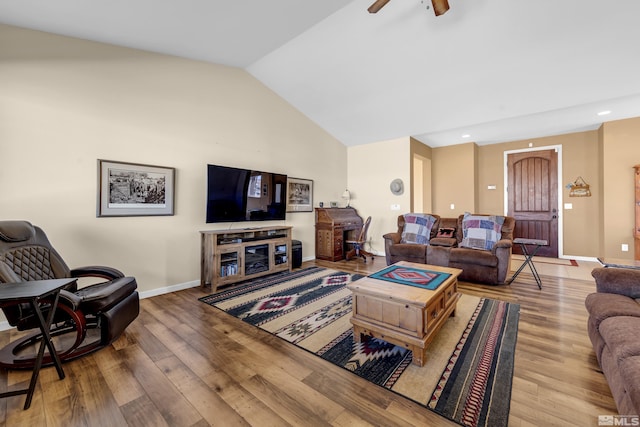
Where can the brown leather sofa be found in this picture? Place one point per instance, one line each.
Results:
(482, 266)
(614, 321)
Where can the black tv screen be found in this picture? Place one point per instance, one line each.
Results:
(235, 195)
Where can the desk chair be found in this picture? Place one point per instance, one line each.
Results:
(358, 245)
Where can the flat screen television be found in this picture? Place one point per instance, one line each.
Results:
(236, 195)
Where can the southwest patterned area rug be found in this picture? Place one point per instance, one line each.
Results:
(468, 372)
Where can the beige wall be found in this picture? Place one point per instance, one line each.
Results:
(579, 156)
(580, 224)
(621, 151)
(601, 181)
(371, 168)
(454, 179)
(64, 103)
(421, 194)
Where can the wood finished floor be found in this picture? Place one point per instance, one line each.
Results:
(183, 363)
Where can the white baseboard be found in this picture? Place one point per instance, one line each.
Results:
(4, 325)
(169, 289)
(580, 258)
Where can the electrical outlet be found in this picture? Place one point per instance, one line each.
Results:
(453, 206)
(625, 247)
(395, 207)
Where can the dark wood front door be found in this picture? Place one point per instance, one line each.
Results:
(532, 189)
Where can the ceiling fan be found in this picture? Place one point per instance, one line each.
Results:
(439, 6)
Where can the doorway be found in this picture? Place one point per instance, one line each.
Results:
(532, 196)
(421, 184)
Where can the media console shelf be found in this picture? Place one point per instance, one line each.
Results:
(230, 256)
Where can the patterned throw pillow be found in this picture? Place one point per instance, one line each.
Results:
(481, 232)
(417, 228)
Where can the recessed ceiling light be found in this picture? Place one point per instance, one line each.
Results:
(466, 135)
(604, 113)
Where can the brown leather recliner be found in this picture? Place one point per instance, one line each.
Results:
(478, 266)
(87, 319)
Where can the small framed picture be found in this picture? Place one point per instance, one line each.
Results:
(299, 195)
(132, 189)
(334, 204)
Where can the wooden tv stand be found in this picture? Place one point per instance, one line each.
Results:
(230, 256)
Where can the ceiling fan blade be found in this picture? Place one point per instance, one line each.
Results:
(440, 6)
(379, 4)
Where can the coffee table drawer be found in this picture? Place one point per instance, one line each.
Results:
(450, 293)
(433, 312)
(396, 315)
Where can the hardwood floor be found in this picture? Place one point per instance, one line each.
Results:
(183, 363)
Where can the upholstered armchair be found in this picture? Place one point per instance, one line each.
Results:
(87, 319)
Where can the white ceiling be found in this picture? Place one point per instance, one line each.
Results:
(497, 70)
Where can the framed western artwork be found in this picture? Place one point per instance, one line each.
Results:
(299, 195)
(133, 189)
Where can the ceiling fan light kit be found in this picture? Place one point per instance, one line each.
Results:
(439, 6)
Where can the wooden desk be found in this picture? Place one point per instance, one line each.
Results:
(334, 226)
(33, 293)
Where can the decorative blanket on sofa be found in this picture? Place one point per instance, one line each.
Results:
(481, 232)
(417, 228)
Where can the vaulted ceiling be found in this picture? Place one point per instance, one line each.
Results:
(492, 70)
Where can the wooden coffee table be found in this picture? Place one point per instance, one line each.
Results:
(403, 314)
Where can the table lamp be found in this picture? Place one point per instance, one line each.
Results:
(347, 195)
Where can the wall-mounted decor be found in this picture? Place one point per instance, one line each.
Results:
(579, 188)
(299, 195)
(397, 187)
(132, 189)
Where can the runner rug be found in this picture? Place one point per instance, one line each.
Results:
(468, 372)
